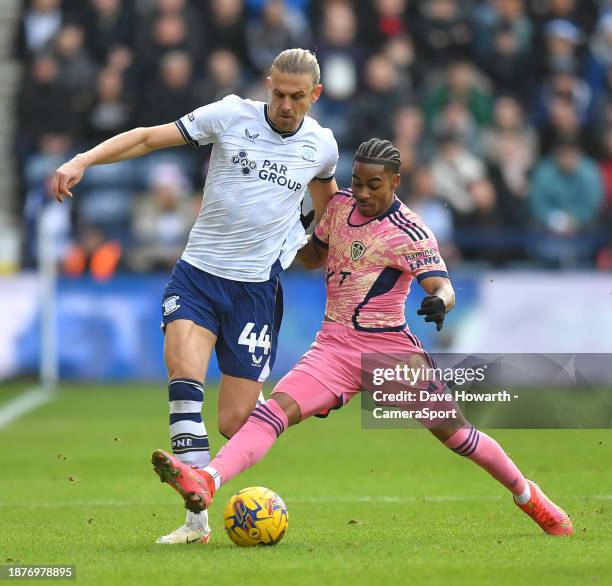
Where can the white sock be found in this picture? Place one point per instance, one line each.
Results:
(523, 498)
(198, 520)
(216, 476)
(187, 430)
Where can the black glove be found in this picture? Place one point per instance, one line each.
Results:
(434, 309)
(307, 219)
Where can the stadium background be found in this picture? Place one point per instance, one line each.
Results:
(501, 109)
(477, 95)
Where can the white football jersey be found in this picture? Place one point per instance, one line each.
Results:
(249, 223)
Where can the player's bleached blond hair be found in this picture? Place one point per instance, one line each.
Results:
(298, 62)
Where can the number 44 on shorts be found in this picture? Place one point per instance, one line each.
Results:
(249, 338)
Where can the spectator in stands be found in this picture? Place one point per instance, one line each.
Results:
(93, 254)
(277, 28)
(563, 87)
(108, 23)
(599, 63)
(170, 25)
(455, 172)
(385, 20)
(380, 98)
(456, 119)
(484, 220)
(603, 259)
(509, 125)
(402, 53)
(460, 84)
(170, 94)
(224, 76)
(44, 106)
(378, 59)
(605, 168)
(162, 219)
(421, 197)
(442, 32)
(169, 34)
(339, 53)
(340, 58)
(121, 60)
(565, 199)
(562, 42)
(176, 7)
(510, 148)
(256, 6)
(508, 62)
(582, 13)
(41, 22)
(225, 28)
(502, 15)
(564, 124)
(410, 139)
(110, 110)
(77, 69)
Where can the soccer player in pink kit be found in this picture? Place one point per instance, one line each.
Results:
(373, 247)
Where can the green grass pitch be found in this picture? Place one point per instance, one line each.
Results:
(366, 506)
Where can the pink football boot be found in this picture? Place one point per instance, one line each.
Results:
(552, 519)
(195, 486)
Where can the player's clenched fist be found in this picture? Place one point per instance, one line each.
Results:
(433, 308)
(66, 177)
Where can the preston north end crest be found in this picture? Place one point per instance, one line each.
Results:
(308, 153)
(357, 250)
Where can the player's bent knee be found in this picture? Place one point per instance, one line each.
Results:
(446, 430)
(289, 405)
(230, 423)
(228, 429)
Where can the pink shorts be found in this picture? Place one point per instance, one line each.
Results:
(329, 375)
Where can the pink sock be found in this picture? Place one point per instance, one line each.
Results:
(486, 452)
(252, 441)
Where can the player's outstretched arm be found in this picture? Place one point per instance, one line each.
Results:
(311, 255)
(439, 301)
(127, 145)
(320, 193)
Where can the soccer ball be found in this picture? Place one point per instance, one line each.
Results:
(256, 516)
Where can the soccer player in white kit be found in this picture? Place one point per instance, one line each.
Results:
(373, 248)
(225, 290)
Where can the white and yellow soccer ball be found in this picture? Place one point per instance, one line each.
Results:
(256, 516)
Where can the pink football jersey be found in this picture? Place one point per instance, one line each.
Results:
(373, 261)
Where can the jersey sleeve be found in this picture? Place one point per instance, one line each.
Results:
(330, 159)
(422, 258)
(206, 124)
(320, 233)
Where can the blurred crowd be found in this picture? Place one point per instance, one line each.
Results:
(502, 111)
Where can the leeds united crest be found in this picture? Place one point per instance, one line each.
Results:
(357, 250)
